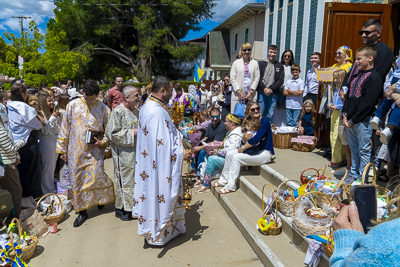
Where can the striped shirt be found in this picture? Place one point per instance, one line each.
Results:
(8, 150)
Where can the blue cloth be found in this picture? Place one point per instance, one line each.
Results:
(267, 105)
(360, 145)
(336, 99)
(292, 116)
(307, 124)
(264, 132)
(384, 108)
(380, 247)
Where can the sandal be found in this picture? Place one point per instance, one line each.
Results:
(217, 185)
(197, 183)
(202, 189)
(224, 191)
(331, 164)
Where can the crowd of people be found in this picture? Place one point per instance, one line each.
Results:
(65, 126)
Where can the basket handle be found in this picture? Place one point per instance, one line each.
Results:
(273, 126)
(276, 201)
(49, 194)
(19, 232)
(341, 183)
(390, 204)
(286, 183)
(310, 169)
(308, 193)
(365, 173)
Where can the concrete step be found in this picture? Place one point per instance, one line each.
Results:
(272, 250)
(245, 203)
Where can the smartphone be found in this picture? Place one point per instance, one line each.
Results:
(365, 198)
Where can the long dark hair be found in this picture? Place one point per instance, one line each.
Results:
(291, 62)
(16, 91)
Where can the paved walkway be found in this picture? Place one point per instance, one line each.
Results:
(212, 239)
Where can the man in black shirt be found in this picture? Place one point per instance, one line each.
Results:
(216, 131)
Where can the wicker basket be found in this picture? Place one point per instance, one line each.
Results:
(282, 140)
(272, 230)
(307, 229)
(335, 198)
(52, 219)
(381, 191)
(303, 175)
(303, 146)
(28, 251)
(284, 206)
(329, 245)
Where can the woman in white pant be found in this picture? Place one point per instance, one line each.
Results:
(235, 158)
(47, 141)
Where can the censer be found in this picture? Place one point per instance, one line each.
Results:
(187, 197)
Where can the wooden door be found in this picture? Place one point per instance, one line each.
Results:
(342, 22)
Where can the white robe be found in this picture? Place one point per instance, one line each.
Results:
(158, 193)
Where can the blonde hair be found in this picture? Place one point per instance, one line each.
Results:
(313, 111)
(244, 46)
(42, 104)
(341, 74)
(247, 118)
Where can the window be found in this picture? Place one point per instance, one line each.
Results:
(271, 6)
(290, 2)
(246, 35)
(235, 41)
(280, 4)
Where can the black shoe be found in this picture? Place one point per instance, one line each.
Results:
(80, 219)
(127, 216)
(100, 207)
(119, 213)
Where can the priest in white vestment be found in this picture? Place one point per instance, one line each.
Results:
(158, 195)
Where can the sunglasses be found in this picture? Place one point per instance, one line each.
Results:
(246, 50)
(255, 109)
(367, 33)
(215, 117)
(216, 88)
(338, 54)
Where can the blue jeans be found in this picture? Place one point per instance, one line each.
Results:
(267, 105)
(292, 117)
(360, 145)
(213, 162)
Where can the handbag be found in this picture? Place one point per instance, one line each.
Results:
(239, 109)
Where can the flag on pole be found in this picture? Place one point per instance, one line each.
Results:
(198, 73)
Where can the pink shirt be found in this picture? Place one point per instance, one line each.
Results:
(115, 96)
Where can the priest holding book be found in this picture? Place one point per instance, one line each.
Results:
(122, 128)
(158, 195)
(85, 157)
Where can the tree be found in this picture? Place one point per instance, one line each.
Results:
(139, 36)
(46, 58)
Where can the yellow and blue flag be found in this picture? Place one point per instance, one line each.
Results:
(198, 73)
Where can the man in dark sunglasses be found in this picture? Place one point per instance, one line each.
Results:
(371, 35)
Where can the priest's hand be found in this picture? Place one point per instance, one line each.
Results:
(186, 155)
(135, 131)
(98, 143)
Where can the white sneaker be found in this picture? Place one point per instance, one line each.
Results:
(386, 134)
(375, 123)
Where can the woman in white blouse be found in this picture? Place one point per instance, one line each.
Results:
(245, 76)
(47, 141)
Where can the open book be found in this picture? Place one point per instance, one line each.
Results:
(90, 135)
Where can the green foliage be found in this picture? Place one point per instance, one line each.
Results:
(141, 37)
(46, 58)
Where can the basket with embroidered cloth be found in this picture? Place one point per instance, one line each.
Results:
(304, 143)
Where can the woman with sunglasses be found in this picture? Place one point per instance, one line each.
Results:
(344, 58)
(245, 75)
(236, 158)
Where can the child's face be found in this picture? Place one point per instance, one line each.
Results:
(203, 117)
(250, 127)
(363, 62)
(295, 74)
(308, 107)
(335, 79)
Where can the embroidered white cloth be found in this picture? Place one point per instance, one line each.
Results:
(158, 193)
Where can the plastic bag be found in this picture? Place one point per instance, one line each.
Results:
(65, 177)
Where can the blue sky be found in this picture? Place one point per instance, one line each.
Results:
(42, 10)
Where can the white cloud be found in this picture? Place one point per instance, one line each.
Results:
(37, 10)
(225, 8)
